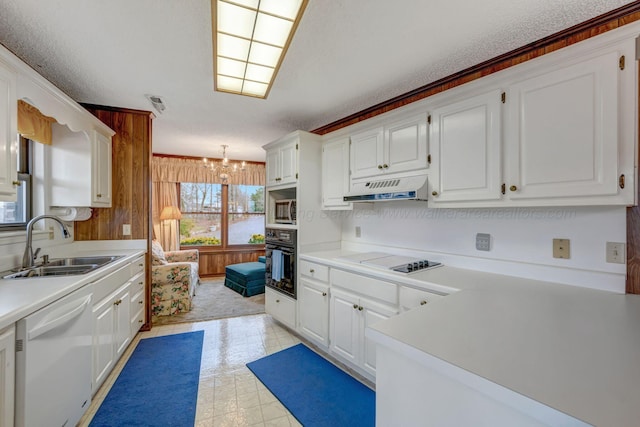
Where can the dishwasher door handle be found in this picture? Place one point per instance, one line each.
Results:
(69, 312)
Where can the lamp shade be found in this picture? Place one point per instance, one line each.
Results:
(170, 212)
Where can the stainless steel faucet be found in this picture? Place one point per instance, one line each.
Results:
(28, 257)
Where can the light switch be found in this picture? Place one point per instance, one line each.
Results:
(561, 248)
(126, 229)
(616, 252)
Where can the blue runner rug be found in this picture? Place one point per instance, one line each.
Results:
(158, 386)
(316, 392)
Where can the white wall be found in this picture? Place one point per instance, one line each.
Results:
(521, 239)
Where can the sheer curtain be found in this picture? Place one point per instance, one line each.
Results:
(167, 231)
(168, 172)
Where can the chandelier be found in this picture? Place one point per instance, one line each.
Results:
(224, 167)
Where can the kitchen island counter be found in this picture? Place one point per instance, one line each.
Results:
(572, 349)
(559, 354)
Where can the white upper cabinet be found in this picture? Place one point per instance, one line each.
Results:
(367, 153)
(74, 154)
(101, 170)
(335, 174)
(282, 163)
(398, 146)
(405, 145)
(8, 134)
(563, 131)
(465, 143)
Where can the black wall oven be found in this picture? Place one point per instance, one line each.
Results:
(280, 252)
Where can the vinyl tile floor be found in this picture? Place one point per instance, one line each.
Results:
(228, 393)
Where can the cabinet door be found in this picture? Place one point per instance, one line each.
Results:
(345, 326)
(466, 150)
(288, 164)
(122, 328)
(101, 170)
(314, 311)
(563, 131)
(103, 341)
(272, 167)
(405, 145)
(8, 134)
(366, 153)
(281, 307)
(335, 174)
(372, 313)
(7, 378)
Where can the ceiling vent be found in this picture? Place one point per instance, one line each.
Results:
(157, 103)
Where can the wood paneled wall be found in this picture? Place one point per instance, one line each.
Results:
(601, 24)
(131, 184)
(213, 263)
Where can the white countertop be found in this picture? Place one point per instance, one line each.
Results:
(574, 349)
(21, 297)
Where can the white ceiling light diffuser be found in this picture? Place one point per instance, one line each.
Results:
(250, 38)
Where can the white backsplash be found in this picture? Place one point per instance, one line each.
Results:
(521, 239)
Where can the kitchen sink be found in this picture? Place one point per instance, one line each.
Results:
(63, 267)
(80, 261)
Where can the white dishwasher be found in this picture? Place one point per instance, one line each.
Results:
(53, 362)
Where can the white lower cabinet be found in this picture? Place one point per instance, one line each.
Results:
(111, 326)
(7, 375)
(352, 313)
(280, 307)
(314, 311)
(113, 316)
(137, 302)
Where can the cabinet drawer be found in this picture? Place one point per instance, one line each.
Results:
(137, 283)
(137, 300)
(137, 265)
(315, 271)
(137, 320)
(411, 298)
(109, 283)
(367, 286)
(281, 307)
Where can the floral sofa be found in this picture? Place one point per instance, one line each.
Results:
(174, 277)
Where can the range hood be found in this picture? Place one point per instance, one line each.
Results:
(412, 187)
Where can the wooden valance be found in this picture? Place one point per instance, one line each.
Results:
(33, 124)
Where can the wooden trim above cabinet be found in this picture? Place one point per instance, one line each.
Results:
(585, 30)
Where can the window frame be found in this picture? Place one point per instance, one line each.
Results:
(224, 213)
(25, 177)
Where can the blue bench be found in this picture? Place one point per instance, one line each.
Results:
(246, 278)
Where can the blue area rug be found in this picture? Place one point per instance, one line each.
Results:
(158, 386)
(316, 392)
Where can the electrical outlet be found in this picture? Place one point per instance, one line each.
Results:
(358, 231)
(561, 248)
(126, 229)
(483, 242)
(616, 252)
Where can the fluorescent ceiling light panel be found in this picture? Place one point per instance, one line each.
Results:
(250, 38)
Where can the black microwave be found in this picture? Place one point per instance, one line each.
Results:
(285, 211)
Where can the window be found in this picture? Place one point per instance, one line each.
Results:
(16, 215)
(221, 214)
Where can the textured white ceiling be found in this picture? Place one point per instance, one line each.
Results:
(347, 55)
